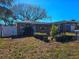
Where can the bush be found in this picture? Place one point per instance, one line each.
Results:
(53, 31)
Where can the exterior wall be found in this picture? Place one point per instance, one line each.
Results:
(25, 29)
(73, 27)
(20, 29)
(66, 27)
(9, 31)
(43, 28)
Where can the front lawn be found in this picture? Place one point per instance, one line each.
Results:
(32, 48)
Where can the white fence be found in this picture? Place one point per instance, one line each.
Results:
(6, 31)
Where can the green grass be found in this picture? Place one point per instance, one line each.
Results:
(31, 48)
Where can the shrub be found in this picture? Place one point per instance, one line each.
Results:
(53, 31)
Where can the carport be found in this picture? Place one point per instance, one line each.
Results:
(77, 34)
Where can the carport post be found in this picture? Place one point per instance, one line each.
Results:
(76, 31)
(76, 35)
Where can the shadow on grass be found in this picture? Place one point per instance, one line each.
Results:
(42, 38)
(21, 36)
(65, 39)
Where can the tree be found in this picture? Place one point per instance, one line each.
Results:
(6, 2)
(29, 12)
(5, 11)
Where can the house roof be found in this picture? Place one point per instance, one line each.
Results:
(66, 22)
(33, 22)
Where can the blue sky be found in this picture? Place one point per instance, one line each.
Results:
(57, 9)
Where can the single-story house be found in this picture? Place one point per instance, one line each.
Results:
(25, 28)
(67, 28)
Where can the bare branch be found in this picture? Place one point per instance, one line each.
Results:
(29, 12)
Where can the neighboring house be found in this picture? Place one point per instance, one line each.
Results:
(67, 29)
(67, 26)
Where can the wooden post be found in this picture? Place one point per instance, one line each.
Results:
(76, 31)
(76, 35)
